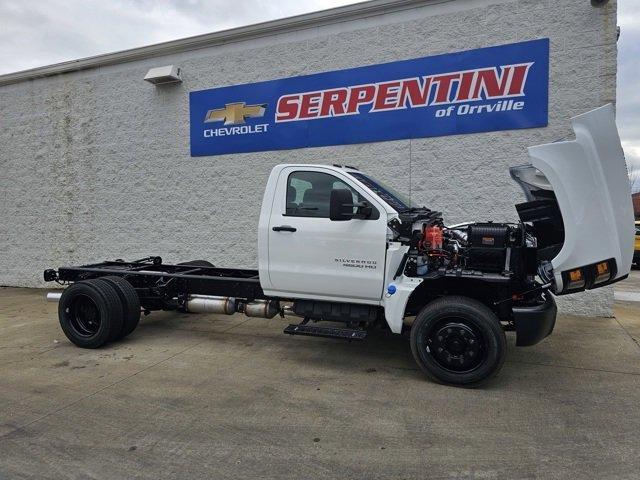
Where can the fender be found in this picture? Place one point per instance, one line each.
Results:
(395, 303)
(398, 290)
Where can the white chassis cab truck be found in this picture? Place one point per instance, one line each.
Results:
(346, 253)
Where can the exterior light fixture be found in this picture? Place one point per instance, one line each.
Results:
(164, 75)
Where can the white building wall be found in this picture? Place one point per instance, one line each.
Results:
(95, 164)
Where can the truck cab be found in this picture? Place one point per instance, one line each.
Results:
(303, 253)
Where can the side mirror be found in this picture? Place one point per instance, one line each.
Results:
(341, 205)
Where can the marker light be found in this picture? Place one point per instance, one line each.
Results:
(391, 289)
(576, 279)
(603, 272)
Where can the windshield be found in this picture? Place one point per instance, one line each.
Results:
(395, 199)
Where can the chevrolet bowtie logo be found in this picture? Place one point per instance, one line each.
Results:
(235, 113)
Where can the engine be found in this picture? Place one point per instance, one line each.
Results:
(471, 249)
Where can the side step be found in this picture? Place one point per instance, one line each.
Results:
(328, 332)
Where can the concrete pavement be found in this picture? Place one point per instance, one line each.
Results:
(195, 396)
(629, 289)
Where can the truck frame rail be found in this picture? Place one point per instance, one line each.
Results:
(152, 278)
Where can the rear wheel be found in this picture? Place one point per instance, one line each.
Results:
(458, 341)
(131, 304)
(90, 313)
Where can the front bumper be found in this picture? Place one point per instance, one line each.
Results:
(534, 323)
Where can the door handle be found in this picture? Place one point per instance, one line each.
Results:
(284, 228)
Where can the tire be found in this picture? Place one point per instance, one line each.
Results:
(130, 301)
(198, 263)
(90, 313)
(458, 341)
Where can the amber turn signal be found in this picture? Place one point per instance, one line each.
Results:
(576, 279)
(603, 273)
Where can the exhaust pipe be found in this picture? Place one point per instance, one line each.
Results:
(262, 308)
(211, 304)
(219, 305)
(229, 306)
(54, 296)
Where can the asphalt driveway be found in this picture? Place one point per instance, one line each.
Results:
(194, 396)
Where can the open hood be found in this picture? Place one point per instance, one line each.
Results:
(579, 202)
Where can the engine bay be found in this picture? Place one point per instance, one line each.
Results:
(496, 250)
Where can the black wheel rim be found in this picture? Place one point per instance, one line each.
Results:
(456, 345)
(84, 316)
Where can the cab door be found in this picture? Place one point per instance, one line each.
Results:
(311, 256)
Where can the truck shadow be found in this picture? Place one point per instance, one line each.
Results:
(381, 352)
(380, 348)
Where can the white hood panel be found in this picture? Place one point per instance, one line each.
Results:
(590, 180)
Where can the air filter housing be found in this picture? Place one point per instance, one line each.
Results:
(487, 245)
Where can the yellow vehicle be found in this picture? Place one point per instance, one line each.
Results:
(636, 246)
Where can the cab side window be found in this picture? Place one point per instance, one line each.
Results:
(309, 193)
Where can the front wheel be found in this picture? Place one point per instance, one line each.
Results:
(458, 341)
